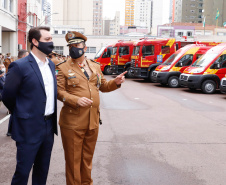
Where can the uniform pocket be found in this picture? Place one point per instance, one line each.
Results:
(70, 110)
(73, 81)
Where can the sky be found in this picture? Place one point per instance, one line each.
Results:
(111, 6)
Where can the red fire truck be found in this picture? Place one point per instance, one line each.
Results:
(169, 72)
(121, 57)
(104, 58)
(148, 54)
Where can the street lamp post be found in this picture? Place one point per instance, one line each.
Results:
(47, 17)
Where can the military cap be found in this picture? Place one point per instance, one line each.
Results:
(74, 37)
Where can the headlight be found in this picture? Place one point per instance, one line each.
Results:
(165, 68)
(197, 70)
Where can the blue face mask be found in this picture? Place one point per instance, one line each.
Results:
(76, 52)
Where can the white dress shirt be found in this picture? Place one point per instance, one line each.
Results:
(47, 77)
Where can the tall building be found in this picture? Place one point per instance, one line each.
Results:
(46, 8)
(112, 27)
(188, 11)
(129, 12)
(210, 8)
(161, 14)
(76, 13)
(97, 17)
(143, 13)
(115, 25)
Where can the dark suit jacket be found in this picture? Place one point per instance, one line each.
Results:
(24, 95)
(2, 82)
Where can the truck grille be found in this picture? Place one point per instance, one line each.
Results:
(224, 82)
(184, 77)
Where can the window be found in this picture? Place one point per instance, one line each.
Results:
(59, 49)
(200, 10)
(124, 50)
(185, 61)
(56, 32)
(221, 61)
(4, 4)
(108, 53)
(148, 50)
(177, 46)
(165, 49)
(63, 32)
(189, 33)
(198, 56)
(11, 6)
(91, 50)
(180, 34)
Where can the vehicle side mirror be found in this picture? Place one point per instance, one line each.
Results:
(218, 66)
(215, 66)
(105, 50)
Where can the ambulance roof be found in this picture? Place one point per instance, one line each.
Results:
(217, 49)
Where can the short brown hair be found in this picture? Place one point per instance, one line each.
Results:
(34, 33)
(21, 53)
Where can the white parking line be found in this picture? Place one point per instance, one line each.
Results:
(5, 118)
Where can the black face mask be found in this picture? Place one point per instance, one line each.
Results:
(45, 47)
(76, 52)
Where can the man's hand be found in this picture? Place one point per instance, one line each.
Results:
(120, 78)
(84, 102)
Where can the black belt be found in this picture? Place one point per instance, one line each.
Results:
(47, 117)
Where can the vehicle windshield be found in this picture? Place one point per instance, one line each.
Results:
(204, 60)
(170, 60)
(136, 50)
(114, 50)
(99, 53)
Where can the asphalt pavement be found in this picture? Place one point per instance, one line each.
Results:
(151, 135)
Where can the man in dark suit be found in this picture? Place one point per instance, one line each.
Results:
(30, 95)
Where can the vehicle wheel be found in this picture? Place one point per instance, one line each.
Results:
(107, 70)
(150, 76)
(173, 81)
(209, 87)
(129, 73)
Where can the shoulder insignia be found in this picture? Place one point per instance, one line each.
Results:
(61, 63)
(94, 61)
